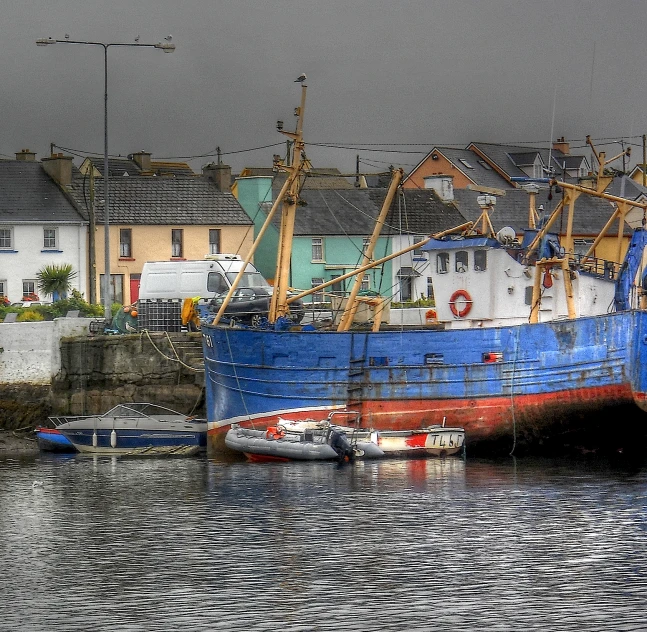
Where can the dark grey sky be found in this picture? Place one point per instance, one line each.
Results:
(414, 71)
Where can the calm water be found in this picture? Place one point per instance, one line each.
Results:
(188, 544)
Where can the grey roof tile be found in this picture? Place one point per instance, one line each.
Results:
(27, 193)
(141, 200)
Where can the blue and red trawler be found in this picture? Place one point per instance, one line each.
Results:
(531, 344)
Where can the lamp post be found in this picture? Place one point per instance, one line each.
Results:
(167, 47)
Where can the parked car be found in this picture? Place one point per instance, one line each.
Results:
(251, 305)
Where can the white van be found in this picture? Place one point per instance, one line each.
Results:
(205, 278)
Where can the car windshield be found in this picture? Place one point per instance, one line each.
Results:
(249, 279)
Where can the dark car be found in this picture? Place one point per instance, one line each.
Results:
(251, 305)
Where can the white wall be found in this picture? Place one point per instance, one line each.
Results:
(31, 352)
(29, 257)
(419, 283)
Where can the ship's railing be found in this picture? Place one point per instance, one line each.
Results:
(595, 266)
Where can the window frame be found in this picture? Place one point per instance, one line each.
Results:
(9, 230)
(317, 297)
(215, 232)
(175, 233)
(320, 247)
(128, 243)
(47, 246)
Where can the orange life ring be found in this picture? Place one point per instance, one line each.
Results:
(468, 303)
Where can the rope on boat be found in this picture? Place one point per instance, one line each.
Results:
(240, 390)
(171, 359)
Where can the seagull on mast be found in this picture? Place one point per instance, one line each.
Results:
(301, 78)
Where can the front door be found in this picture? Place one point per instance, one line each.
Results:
(134, 287)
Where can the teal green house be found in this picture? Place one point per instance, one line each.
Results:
(331, 230)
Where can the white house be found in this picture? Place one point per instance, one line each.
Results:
(39, 226)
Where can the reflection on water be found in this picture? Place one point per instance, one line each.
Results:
(190, 544)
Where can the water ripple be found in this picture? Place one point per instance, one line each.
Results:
(131, 545)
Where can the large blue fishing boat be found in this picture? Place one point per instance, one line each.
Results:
(528, 343)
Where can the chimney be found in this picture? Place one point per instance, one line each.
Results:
(26, 155)
(443, 186)
(561, 145)
(220, 174)
(59, 168)
(142, 159)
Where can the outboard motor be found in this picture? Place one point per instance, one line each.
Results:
(341, 445)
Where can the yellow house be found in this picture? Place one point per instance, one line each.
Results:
(157, 212)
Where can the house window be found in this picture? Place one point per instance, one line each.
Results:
(49, 239)
(365, 284)
(465, 163)
(125, 243)
(116, 288)
(337, 288)
(177, 239)
(214, 241)
(3, 289)
(442, 263)
(461, 261)
(480, 260)
(484, 165)
(317, 249)
(581, 246)
(418, 253)
(365, 244)
(6, 238)
(29, 289)
(405, 288)
(317, 297)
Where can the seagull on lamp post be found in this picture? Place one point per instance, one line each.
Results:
(300, 79)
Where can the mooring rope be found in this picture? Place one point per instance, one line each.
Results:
(171, 359)
(240, 390)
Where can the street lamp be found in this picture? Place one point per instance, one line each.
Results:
(167, 47)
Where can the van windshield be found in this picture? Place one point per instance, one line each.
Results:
(249, 279)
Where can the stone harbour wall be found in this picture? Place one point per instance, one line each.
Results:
(80, 374)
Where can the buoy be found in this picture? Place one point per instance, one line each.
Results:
(113, 438)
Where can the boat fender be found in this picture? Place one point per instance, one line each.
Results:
(113, 438)
(94, 439)
(466, 299)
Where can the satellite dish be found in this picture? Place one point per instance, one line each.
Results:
(506, 235)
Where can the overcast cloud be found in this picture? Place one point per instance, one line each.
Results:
(417, 71)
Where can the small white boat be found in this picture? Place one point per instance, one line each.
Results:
(134, 428)
(322, 440)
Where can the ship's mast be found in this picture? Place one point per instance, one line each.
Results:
(278, 305)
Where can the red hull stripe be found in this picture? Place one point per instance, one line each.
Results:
(482, 418)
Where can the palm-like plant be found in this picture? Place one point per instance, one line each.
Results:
(56, 280)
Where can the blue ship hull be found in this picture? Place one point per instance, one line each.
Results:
(127, 439)
(523, 382)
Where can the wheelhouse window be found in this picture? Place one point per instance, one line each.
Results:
(177, 242)
(317, 249)
(214, 241)
(461, 261)
(6, 238)
(430, 288)
(442, 263)
(49, 239)
(317, 297)
(480, 260)
(125, 243)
